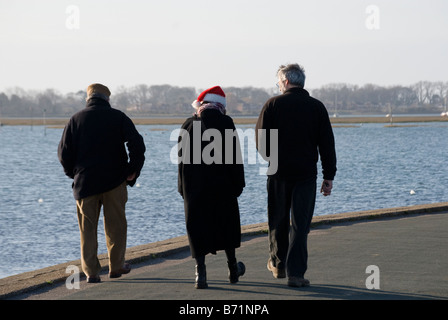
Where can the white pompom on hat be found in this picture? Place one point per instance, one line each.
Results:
(214, 94)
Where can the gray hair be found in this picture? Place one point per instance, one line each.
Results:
(294, 73)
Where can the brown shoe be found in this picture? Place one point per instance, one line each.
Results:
(276, 272)
(124, 270)
(298, 282)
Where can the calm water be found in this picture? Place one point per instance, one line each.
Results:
(377, 168)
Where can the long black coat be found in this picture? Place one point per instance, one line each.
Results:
(210, 191)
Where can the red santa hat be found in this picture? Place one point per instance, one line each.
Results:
(214, 94)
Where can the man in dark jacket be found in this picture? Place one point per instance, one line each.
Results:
(92, 152)
(304, 132)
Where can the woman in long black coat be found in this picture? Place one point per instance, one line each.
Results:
(210, 181)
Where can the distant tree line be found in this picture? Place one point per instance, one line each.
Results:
(166, 100)
(422, 97)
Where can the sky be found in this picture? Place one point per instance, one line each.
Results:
(67, 44)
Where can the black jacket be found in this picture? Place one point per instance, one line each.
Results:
(92, 149)
(210, 191)
(304, 133)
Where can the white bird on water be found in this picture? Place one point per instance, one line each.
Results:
(412, 192)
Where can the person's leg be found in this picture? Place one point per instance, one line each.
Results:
(302, 209)
(200, 261)
(88, 210)
(279, 202)
(115, 227)
(236, 269)
(231, 256)
(201, 273)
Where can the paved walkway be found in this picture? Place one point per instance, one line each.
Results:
(407, 249)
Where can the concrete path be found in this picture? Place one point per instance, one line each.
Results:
(394, 254)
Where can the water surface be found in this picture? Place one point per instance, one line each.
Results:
(378, 167)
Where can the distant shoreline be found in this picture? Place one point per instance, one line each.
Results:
(57, 122)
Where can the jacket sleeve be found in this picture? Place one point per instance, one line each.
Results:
(327, 146)
(262, 131)
(259, 125)
(237, 166)
(180, 166)
(184, 145)
(66, 151)
(136, 148)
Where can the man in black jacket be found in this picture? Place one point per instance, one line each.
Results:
(303, 130)
(92, 152)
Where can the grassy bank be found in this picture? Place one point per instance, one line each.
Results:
(238, 120)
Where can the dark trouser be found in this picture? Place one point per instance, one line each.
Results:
(288, 237)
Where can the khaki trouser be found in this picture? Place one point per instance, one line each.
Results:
(115, 227)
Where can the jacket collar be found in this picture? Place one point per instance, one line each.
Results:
(297, 90)
(97, 103)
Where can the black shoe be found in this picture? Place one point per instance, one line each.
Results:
(201, 277)
(236, 270)
(298, 282)
(93, 279)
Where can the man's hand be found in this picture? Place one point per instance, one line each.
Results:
(327, 185)
(131, 177)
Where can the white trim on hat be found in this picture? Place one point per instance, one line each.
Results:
(212, 97)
